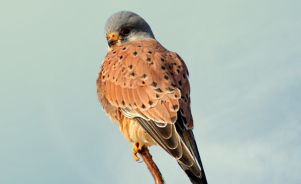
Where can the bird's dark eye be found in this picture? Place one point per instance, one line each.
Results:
(125, 31)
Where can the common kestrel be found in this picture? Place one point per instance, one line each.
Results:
(145, 88)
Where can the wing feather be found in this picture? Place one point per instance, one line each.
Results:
(150, 83)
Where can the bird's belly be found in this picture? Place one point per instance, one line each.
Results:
(133, 132)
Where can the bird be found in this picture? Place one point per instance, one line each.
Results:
(145, 88)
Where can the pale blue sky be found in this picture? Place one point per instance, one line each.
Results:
(244, 59)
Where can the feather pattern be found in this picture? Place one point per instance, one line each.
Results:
(145, 88)
(151, 72)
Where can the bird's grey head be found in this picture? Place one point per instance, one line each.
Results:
(126, 26)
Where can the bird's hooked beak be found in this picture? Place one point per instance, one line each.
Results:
(112, 39)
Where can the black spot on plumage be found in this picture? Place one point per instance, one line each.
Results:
(130, 66)
(154, 84)
(150, 52)
(123, 48)
(166, 77)
(157, 96)
(143, 106)
(180, 83)
(162, 59)
(113, 77)
(135, 53)
(130, 104)
(174, 63)
(150, 102)
(184, 76)
(158, 90)
(169, 66)
(175, 107)
(148, 59)
(173, 85)
(139, 45)
(143, 82)
(170, 89)
(103, 77)
(162, 67)
(176, 96)
(135, 104)
(182, 97)
(179, 66)
(173, 119)
(124, 84)
(116, 102)
(143, 76)
(132, 74)
(114, 52)
(123, 103)
(178, 71)
(121, 57)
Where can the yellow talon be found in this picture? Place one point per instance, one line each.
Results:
(135, 150)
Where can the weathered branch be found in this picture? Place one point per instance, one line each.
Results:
(152, 167)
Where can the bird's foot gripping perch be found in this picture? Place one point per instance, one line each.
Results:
(136, 149)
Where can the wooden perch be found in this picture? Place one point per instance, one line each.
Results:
(152, 167)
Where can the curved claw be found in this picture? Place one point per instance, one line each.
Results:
(136, 149)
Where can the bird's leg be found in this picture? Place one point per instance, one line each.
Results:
(136, 149)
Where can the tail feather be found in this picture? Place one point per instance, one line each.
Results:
(179, 143)
(188, 138)
(192, 146)
(192, 177)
